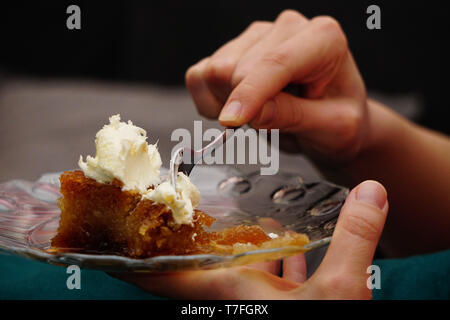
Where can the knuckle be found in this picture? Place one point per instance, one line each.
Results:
(276, 59)
(194, 73)
(289, 16)
(363, 226)
(347, 127)
(354, 120)
(331, 27)
(258, 26)
(190, 77)
(327, 23)
(219, 71)
(246, 91)
(238, 75)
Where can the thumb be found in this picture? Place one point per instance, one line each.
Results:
(355, 239)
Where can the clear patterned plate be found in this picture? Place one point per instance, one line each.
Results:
(29, 218)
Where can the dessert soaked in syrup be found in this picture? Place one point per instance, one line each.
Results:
(116, 204)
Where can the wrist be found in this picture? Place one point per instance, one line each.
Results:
(385, 129)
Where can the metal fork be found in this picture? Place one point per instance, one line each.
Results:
(176, 161)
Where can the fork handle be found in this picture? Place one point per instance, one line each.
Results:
(198, 155)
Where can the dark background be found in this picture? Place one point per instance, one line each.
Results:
(156, 41)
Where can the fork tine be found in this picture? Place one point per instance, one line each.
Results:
(175, 162)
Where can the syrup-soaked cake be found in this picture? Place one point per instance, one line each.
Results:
(101, 218)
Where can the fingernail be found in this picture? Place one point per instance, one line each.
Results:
(231, 111)
(267, 114)
(373, 193)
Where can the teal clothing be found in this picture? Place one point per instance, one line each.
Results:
(420, 277)
(21, 278)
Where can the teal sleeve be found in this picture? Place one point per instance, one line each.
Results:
(26, 279)
(419, 277)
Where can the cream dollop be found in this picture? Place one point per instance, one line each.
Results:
(182, 203)
(122, 153)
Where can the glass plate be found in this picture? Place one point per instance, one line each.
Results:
(29, 218)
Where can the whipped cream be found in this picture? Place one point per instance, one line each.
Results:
(182, 202)
(122, 153)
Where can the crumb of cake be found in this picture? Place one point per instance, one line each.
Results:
(288, 239)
